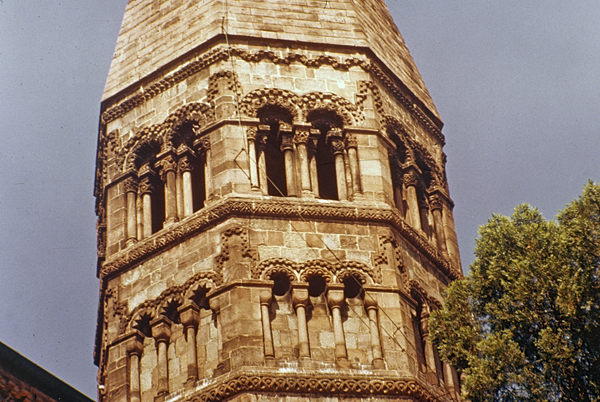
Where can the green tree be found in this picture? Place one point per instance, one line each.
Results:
(525, 324)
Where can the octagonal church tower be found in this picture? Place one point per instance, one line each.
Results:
(274, 221)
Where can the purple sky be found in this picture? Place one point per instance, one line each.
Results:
(516, 83)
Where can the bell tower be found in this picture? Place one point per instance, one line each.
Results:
(274, 220)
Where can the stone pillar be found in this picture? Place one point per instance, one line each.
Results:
(371, 306)
(265, 304)
(301, 140)
(134, 346)
(287, 147)
(397, 180)
(410, 180)
(189, 315)
(187, 200)
(428, 348)
(263, 132)
(168, 168)
(335, 299)
(334, 137)
(313, 141)
(438, 223)
(131, 186)
(215, 306)
(451, 380)
(352, 147)
(202, 146)
(300, 301)
(145, 188)
(251, 134)
(161, 332)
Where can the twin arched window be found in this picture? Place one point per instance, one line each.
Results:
(314, 159)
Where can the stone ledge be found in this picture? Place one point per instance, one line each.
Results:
(280, 207)
(326, 382)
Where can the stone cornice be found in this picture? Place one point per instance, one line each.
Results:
(221, 53)
(247, 207)
(341, 383)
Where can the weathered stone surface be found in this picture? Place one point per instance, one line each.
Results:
(281, 190)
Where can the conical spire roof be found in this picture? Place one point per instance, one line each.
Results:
(157, 32)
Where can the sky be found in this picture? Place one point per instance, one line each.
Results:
(517, 84)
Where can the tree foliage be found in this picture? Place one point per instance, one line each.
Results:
(525, 324)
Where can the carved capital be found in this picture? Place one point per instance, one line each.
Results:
(130, 184)
(202, 144)
(251, 133)
(335, 295)
(146, 186)
(134, 343)
(410, 178)
(351, 141)
(167, 164)
(265, 296)
(301, 136)
(185, 164)
(370, 303)
(215, 305)
(337, 145)
(189, 314)
(299, 294)
(161, 329)
(435, 202)
(286, 142)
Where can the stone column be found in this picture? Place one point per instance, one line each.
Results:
(265, 304)
(202, 146)
(335, 299)
(251, 134)
(301, 140)
(146, 193)
(352, 147)
(215, 306)
(410, 180)
(300, 301)
(313, 141)
(287, 147)
(438, 223)
(189, 316)
(371, 306)
(134, 346)
(451, 380)
(185, 169)
(428, 347)
(130, 184)
(161, 332)
(397, 179)
(168, 168)
(334, 137)
(263, 132)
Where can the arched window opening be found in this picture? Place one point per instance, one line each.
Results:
(352, 287)
(142, 324)
(199, 297)
(325, 121)
(282, 284)
(316, 286)
(418, 329)
(272, 148)
(170, 311)
(199, 183)
(158, 205)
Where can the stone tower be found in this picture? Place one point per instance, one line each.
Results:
(274, 221)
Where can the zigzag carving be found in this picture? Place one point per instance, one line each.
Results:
(153, 305)
(292, 384)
